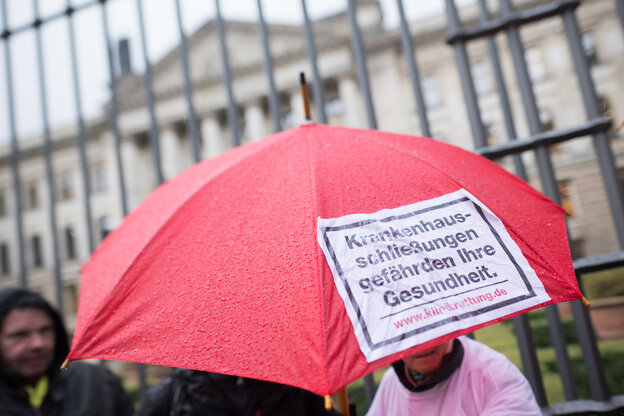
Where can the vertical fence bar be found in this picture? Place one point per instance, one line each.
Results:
(362, 71)
(530, 364)
(412, 68)
(47, 148)
(81, 139)
(591, 356)
(149, 94)
(465, 75)
(501, 87)
(360, 63)
(606, 161)
(522, 328)
(191, 121)
(232, 111)
(619, 4)
(601, 140)
(463, 65)
(153, 134)
(114, 112)
(274, 100)
(317, 85)
(17, 183)
(114, 126)
(549, 184)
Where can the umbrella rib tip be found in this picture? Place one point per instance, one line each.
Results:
(305, 97)
(328, 402)
(65, 364)
(585, 301)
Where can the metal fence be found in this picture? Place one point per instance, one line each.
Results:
(507, 22)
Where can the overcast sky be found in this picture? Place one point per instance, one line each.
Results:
(162, 36)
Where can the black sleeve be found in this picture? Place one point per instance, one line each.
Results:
(88, 389)
(157, 400)
(122, 404)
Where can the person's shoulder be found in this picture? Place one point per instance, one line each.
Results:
(389, 380)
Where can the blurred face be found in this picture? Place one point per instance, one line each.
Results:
(27, 343)
(428, 361)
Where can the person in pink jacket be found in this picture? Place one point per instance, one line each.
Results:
(457, 377)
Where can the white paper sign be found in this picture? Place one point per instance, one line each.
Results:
(410, 274)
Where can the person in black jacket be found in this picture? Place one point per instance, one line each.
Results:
(191, 393)
(33, 345)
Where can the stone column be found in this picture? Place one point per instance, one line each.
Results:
(255, 122)
(296, 107)
(214, 141)
(351, 98)
(112, 193)
(139, 171)
(170, 152)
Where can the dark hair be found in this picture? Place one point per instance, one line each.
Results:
(29, 302)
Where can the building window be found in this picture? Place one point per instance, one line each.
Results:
(98, 178)
(180, 129)
(588, 41)
(70, 294)
(491, 133)
(565, 190)
(333, 107)
(287, 115)
(65, 187)
(3, 206)
(605, 108)
(577, 248)
(431, 92)
(105, 226)
(481, 77)
(36, 251)
(288, 119)
(70, 243)
(5, 268)
(31, 196)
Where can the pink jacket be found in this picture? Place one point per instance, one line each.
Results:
(485, 384)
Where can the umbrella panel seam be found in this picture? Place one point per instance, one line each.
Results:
(319, 259)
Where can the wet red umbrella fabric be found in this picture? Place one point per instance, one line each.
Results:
(262, 262)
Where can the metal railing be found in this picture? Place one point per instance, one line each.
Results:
(507, 23)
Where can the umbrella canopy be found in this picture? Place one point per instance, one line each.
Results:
(275, 260)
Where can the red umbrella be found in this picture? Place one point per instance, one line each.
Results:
(287, 259)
